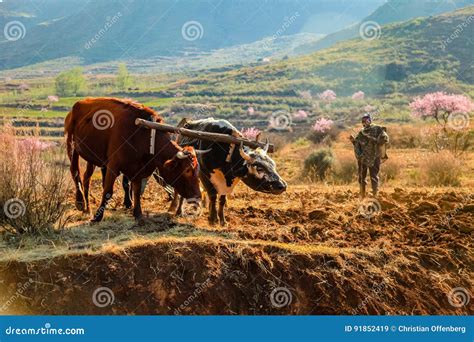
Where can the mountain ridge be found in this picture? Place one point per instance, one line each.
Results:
(392, 11)
(148, 28)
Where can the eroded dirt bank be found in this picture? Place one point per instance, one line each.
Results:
(315, 254)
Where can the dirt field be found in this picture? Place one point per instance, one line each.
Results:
(309, 251)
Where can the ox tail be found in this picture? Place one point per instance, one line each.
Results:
(69, 135)
(74, 159)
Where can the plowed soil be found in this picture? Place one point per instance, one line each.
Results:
(311, 250)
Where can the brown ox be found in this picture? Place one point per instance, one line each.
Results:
(103, 132)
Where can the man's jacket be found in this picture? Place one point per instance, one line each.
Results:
(370, 144)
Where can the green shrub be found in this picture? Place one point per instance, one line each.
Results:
(318, 163)
(70, 83)
(124, 80)
(301, 142)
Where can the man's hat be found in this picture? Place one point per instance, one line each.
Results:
(367, 116)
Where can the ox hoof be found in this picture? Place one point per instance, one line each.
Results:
(212, 221)
(80, 206)
(140, 221)
(127, 205)
(223, 223)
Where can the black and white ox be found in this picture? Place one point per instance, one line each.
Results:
(226, 164)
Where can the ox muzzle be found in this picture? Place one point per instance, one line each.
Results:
(191, 207)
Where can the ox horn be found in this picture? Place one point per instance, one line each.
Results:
(267, 145)
(181, 155)
(243, 154)
(198, 152)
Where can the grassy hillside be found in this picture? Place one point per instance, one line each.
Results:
(407, 58)
(391, 12)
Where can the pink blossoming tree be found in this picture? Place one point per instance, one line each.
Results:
(300, 115)
(323, 131)
(34, 144)
(323, 125)
(358, 95)
(52, 99)
(251, 133)
(440, 106)
(327, 95)
(451, 113)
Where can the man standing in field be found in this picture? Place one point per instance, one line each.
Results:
(369, 148)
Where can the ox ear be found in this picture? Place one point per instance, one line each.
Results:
(171, 163)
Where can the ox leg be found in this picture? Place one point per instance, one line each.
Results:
(77, 181)
(103, 170)
(109, 180)
(127, 201)
(137, 207)
(174, 203)
(212, 209)
(179, 211)
(87, 182)
(222, 201)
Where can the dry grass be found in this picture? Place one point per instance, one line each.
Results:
(391, 169)
(406, 136)
(441, 169)
(35, 184)
(345, 167)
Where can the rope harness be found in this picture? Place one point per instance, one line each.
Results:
(152, 139)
